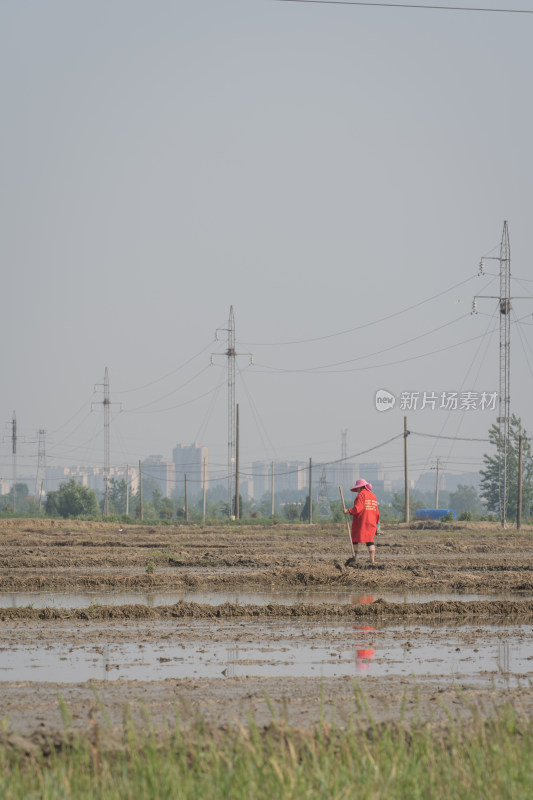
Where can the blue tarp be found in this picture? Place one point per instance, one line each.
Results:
(434, 513)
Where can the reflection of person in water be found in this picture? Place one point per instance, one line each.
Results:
(365, 518)
(363, 660)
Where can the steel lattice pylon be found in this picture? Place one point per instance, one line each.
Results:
(230, 352)
(40, 476)
(504, 407)
(505, 353)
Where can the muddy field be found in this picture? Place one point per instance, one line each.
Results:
(300, 660)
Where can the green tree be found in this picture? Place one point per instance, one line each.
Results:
(15, 499)
(291, 511)
(157, 498)
(305, 510)
(166, 509)
(490, 476)
(465, 499)
(72, 500)
(117, 495)
(398, 504)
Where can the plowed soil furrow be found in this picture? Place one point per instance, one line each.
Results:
(73, 556)
(378, 610)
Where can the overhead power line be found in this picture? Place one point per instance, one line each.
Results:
(316, 371)
(365, 324)
(440, 436)
(472, 9)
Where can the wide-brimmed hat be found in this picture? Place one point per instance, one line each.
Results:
(360, 484)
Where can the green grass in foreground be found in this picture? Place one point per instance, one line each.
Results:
(476, 759)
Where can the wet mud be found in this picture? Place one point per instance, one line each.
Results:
(72, 556)
(372, 609)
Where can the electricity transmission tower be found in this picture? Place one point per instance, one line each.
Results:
(41, 463)
(343, 467)
(504, 407)
(106, 403)
(324, 508)
(232, 415)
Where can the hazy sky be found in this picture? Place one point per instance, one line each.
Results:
(318, 168)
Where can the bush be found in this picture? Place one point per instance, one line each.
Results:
(466, 516)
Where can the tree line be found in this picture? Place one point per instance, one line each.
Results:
(72, 499)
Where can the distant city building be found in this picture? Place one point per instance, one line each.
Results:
(289, 476)
(372, 472)
(160, 472)
(91, 477)
(375, 474)
(343, 474)
(448, 481)
(190, 460)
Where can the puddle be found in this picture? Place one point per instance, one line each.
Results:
(242, 597)
(280, 650)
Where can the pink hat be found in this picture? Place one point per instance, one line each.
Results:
(360, 484)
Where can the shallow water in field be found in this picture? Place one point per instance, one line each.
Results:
(275, 649)
(243, 597)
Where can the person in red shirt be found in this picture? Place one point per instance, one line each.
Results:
(365, 518)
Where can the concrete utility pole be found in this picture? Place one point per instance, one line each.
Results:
(519, 497)
(141, 512)
(272, 489)
(437, 467)
(406, 469)
(186, 501)
(14, 453)
(127, 490)
(310, 491)
(203, 488)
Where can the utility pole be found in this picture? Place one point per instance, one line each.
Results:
(14, 453)
(106, 403)
(141, 512)
(519, 498)
(203, 488)
(437, 483)
(186, 501)
(231, 356)
(127, 489)
(310, 491)
(406, 469)
(272, 489)
(237, 498)
(504, 410)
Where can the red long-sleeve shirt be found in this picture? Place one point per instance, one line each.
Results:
(365, 515)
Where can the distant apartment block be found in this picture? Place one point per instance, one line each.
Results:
(161, 472)
(375, 474)
(91, 477)
(288, 476)
(191, 460)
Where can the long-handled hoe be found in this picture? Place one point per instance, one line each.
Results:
(352, 559)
